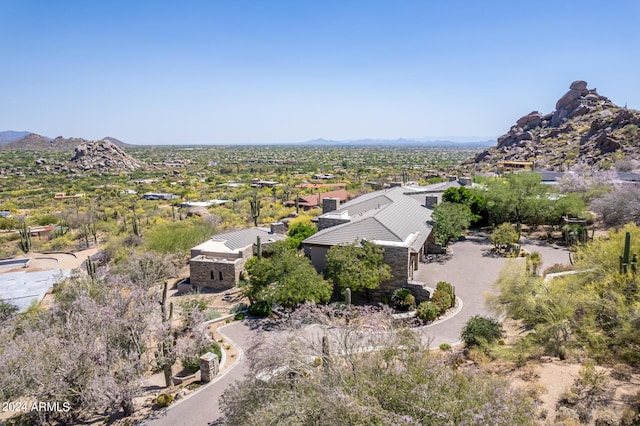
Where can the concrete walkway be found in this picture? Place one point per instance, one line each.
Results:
(470, 270)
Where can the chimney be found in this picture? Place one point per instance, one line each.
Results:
(395, 184)
(430, 201)
(452, 178)
(466, 181)
(278, 228)
(330, 204)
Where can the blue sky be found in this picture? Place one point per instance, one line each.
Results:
(238, 71)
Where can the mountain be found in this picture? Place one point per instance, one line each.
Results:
(9, 136)
(33, 142)
(586, 128)
(398, 142)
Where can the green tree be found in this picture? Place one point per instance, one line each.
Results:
(285, 277)
(472, 199)
(359, 267)
(519, 198)
(504, 235)
(450, 221)
(299, 232)
(481, 331)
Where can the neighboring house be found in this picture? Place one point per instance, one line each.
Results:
(158, 196)
(63, 196)
(259, 183)
(207, 203)
(41, 231)
(218, 263)
(323, 176)
(307, 202)
(5, 213)
(398, 219)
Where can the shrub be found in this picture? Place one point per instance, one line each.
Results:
(164, 400)
(260, 309)
(192, 364)
(445, 347)
(442, 300)
(212, 314)
(427, 311)
(444, 286)
(239, 307)
(481, 331)
(193, 302)
(402, 299)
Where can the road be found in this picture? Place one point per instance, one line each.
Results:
(470, 270)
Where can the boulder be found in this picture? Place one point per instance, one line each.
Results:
(578, 85)
(533, 119)
(566, 100)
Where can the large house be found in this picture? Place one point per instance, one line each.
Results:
(307, 202)
(398, 219)
(218, 263)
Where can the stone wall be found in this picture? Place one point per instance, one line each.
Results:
(330, 204)
(278, 228)
(433, 247)
(217, 274)
(430, 201)
(209, 367)
(325, 222)
(398, 259)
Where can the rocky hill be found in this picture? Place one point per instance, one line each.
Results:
(34, 142)
(586, 128)
(102, 156)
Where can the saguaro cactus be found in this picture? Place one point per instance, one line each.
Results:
(25, 238)
(347, 296)
(255, 208)
(259, 247)
(624, 259)
(91, 268)
(325, 351)
(168, 358)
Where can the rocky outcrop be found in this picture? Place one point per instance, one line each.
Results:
(586, 127)
(34, 142)
(103, 155)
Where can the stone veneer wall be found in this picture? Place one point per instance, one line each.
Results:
(202, 267)
(324, 222)
(202, 271)
(433, 247)
(398, 259)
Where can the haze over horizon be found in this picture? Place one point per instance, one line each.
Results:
(213, 72)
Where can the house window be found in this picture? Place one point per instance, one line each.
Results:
(220, 275)
(212, 276)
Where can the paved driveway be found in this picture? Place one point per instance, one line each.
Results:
(473, 272)
(469, 270)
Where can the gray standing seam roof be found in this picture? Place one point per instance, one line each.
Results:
(387, 215)
(236, 240)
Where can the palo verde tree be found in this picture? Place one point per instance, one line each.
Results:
(357, 266)
(450, 221)
(594, 310)
(284, 277)
(300, 229)
(472, 199)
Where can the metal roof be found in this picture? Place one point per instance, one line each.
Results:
(385, 216)
(236, 240)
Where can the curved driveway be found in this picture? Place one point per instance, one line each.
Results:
(470, 270)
